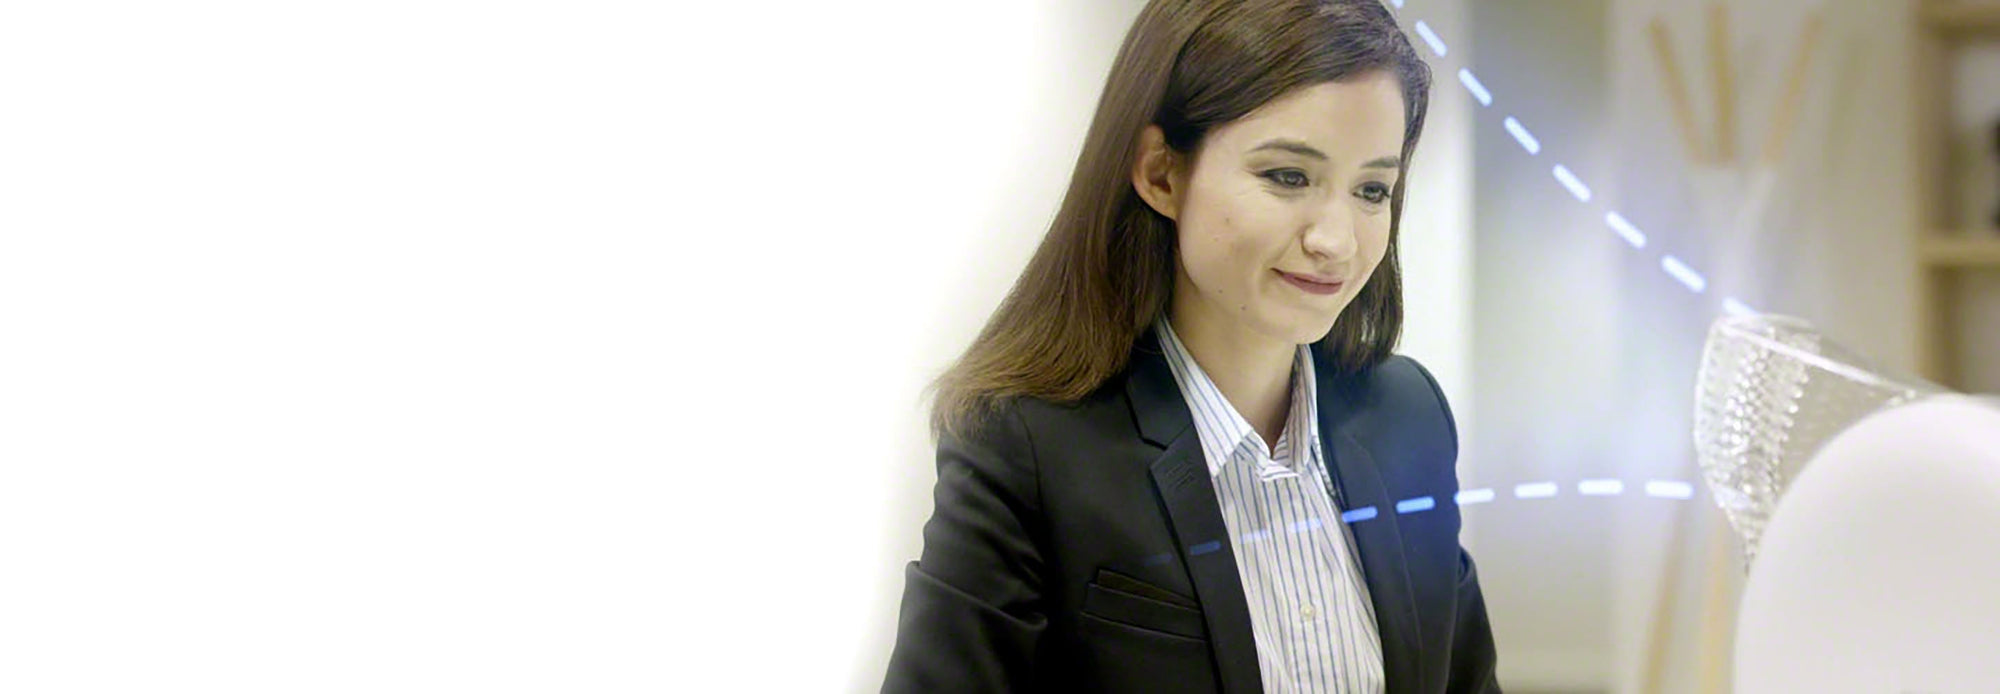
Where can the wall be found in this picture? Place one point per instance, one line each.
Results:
(1585, 350)
(1546, 354)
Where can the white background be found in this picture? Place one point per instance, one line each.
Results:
(433, 346)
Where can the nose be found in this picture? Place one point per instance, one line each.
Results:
(1330, 237)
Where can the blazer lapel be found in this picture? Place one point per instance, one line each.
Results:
(1377, 539)
(1202, 538)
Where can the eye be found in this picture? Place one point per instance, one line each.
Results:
(1289, 178)
(1375, 193)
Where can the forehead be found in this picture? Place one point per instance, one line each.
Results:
(1361, 117)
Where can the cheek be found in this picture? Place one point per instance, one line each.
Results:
(1223, 249)
(1375, 245)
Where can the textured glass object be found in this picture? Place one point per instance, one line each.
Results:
(1770, 391)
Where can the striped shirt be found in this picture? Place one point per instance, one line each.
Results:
(1309, 607)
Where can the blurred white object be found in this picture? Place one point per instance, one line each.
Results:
(1870, 505)
(1771, 390)
(1879, 571)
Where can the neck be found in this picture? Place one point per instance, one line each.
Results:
(1253, 370)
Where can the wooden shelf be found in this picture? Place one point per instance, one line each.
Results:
(1970, 251)
(1943, 27)
(1963, 18)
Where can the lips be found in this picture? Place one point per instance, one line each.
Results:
(1315, 279)
(1312, 284)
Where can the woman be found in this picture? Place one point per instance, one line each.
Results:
(1181, 456)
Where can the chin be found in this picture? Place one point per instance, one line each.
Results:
(1301, 332)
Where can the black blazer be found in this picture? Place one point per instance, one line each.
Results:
(1079, 546)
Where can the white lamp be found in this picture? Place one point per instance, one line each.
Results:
(1880, 569)
(1869, 507)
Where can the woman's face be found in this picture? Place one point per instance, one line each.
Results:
(1296, 191)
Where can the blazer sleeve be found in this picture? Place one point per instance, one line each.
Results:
(1473, 661)
(972, 608)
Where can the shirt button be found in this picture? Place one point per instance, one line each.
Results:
(1307, 612)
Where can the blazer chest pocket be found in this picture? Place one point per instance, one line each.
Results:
(1127, 601)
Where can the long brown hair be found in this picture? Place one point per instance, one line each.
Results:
(1105, 270)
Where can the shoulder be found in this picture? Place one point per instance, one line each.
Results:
(1100, 417)
(1398, 381)
(1047, 434)
(1397, 404)
(1413, 387)
(1015, 424)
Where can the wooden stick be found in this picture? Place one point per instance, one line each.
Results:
(1653, 677)
(1785, 117)
(1716, 617)
(1677, 92)
(1724, 82)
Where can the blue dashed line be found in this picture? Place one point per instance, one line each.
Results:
(1600, 487)
(1670, 490)
(1574, 184)
(1687, 276)
(1625, 230)
(1535, 490)
(1667, 489)
(1521, 135)
(1680, 271)
(1472, 85)
(1430, 37)
(1473, 496)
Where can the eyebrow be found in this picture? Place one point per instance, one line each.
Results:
(1303, 149)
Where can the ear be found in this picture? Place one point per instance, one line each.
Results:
(1158, 173)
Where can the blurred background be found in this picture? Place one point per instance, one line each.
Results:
(428, 345)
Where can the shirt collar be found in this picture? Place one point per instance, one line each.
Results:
(1225, 434)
